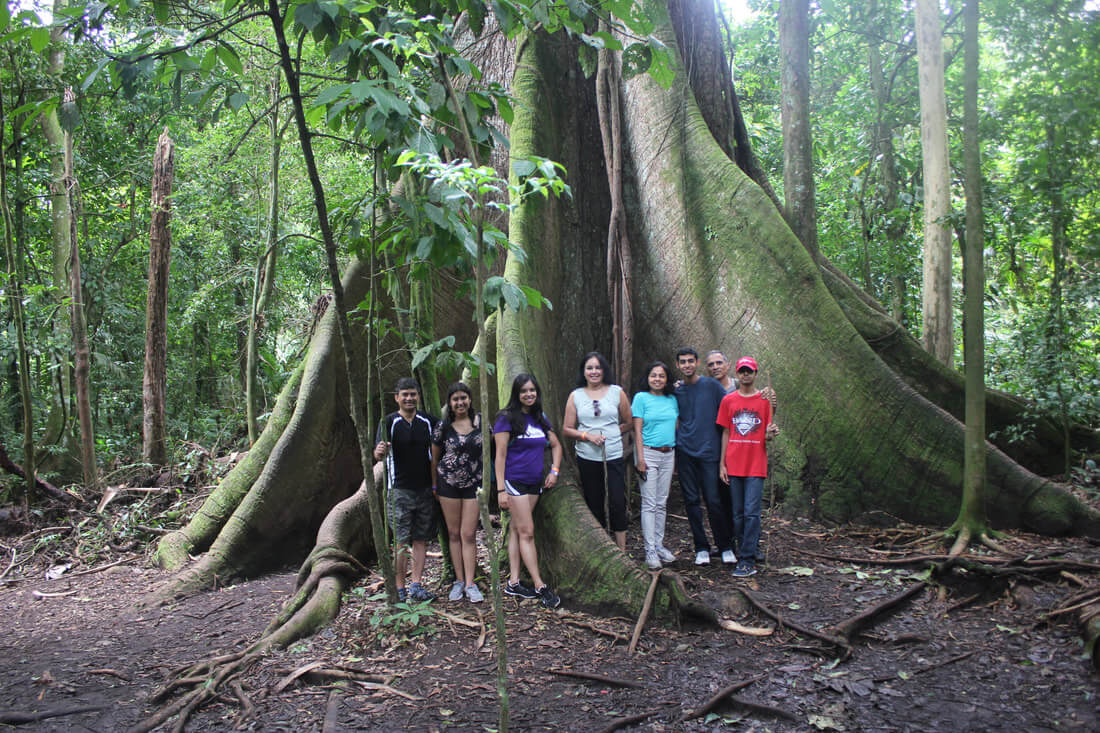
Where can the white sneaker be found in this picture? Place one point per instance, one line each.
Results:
(665, 555)
(728, 558)
(456, 591)
(702, 557)
(652, 561)
(473, 594)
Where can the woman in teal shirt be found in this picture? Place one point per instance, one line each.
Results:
(655, 414)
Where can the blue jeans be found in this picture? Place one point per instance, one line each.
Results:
(746, 493)
(698, 482)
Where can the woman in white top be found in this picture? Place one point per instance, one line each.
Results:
(597, 414)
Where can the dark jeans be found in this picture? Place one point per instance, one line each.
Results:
(699, 482)
(746, 493)
(591, 475)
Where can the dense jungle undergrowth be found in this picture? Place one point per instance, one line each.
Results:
(847, 628)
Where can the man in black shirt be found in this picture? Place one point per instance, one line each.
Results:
(405, 442)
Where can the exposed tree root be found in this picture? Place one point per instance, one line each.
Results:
(719, 697)
(321, 580)
(597, 678)
(12, 717)
(614, 725)
(848, 629)
(793, 626)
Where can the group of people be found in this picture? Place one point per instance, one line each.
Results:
(422, 452)
(712, 430)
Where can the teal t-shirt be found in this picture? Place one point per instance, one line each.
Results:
(658, 413)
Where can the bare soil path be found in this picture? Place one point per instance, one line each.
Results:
(972, 656)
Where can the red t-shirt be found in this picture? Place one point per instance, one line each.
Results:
(747, 419)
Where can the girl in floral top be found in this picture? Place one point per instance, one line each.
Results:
(456, 467)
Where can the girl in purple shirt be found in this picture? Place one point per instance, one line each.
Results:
(521, 433)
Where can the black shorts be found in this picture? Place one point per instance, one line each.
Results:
(519, 488)
(456, 492)
(413, 515)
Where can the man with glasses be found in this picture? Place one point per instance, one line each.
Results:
(698, 452)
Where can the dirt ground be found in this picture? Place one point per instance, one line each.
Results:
(973, 655)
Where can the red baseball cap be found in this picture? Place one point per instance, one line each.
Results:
(746, 361)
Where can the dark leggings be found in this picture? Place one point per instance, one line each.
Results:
(591, 475)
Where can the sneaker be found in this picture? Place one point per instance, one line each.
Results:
(519, 589)
(744, 569)
(418, 592)
(548, 597)
(702, 557)
(474, 594)
(728, 558)
(652, 561)
(665, 555)
(402, 595)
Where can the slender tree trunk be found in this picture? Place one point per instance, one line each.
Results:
(265, 272)
(1056, 329)
(81, 359)
(798, 158)
(15, 293)
(937, 325)
(883, 151)
(972, 514)
(57, 420)
(154, 387)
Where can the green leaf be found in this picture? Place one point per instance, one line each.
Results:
(331, 94)
(513, 296)
(523, 168)
(230, 58)
(184, 61)
(236, 101)
(210, 60)
(5, 16)
(504, 108)
(797, 570)
(161, 11)
(386, 63)
(40, 38)
(308, 15)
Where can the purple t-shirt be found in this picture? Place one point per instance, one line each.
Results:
(525, 452)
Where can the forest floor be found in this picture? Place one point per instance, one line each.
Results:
(974, 654)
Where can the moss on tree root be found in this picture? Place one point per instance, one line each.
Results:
(174, 548)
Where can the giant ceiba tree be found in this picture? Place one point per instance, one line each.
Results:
(871, 421)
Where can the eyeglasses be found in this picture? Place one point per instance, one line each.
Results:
(596, 408)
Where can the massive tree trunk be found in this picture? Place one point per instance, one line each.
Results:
(715, 266)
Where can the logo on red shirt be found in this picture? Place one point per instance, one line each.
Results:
(746, 421)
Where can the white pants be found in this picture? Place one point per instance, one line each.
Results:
(655, 496)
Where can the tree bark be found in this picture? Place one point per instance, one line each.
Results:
(81, 360)
(57, 428)
(972, 513)
(937, 326)
(15, 287)
(154, 387)
(798, 158)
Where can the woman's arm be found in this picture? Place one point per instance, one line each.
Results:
(625, 417)
(555, 459)
(569, 424)
(639, 450)
(437, 451)
(501, 443)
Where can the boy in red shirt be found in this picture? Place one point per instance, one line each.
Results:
(745, 417)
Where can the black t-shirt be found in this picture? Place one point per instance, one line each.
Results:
(409, 461)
